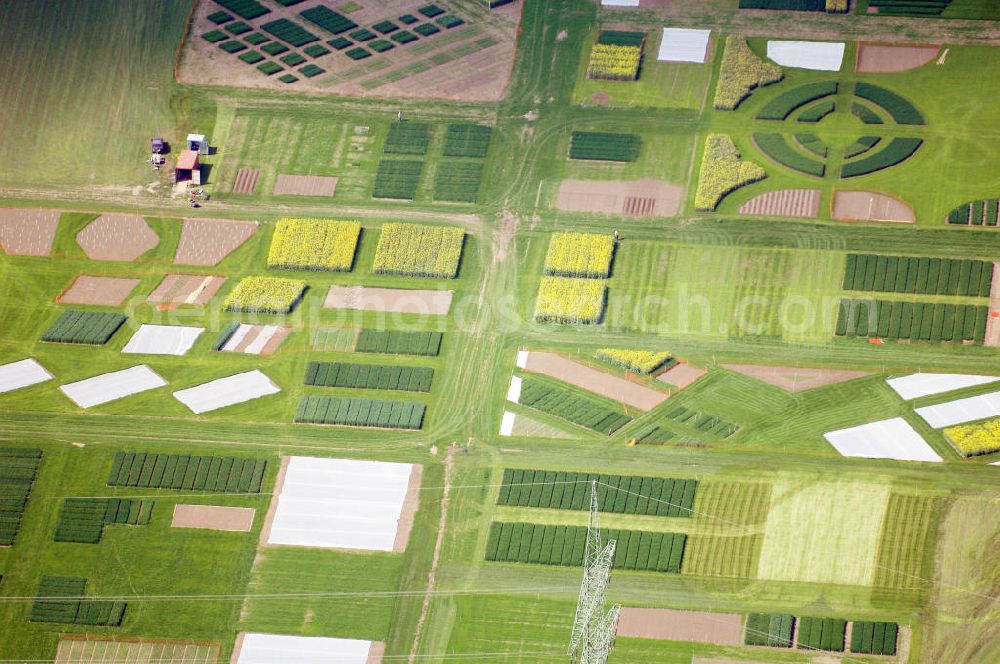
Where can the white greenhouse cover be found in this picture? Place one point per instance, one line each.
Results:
(885, 439)
(683, 45)
(821, 56)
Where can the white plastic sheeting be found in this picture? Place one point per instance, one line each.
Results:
(620, 3)
(821, 56)
(280, 649)
(961, 411)
(112, 386)
(507, 423)
(683, 45)
(924, 384)
(163, 340)
(885, 439)
(340, 504)
(15, 375)
(514, 391)
(227, 391)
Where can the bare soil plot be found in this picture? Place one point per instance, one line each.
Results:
(681, 375)
(992, 337)
(671, 625)
(784, 203)
(256, 339)
(104, 291)
(246, 181)
(253, 648)
(79, 649)
(869, 206)
(227, 391)
(885, 58)
(112, 386)
(163, 340)
(389, 300)
(592, 380)
(117, 237)
(304, 185)
(795, 379)
(213, 517)
(23, 373)
(186, 289)
(647, 197)
(28, 232)
(208, 241)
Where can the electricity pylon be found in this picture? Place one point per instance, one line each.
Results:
(593, 634)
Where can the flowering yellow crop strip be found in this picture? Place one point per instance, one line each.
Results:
(419, 251)
(314, 244)
(836, 6)
(614, 62)
(570, 300)
(740, 73)
(722, 171)
(977, 438)
(270, 295)
(641, 361)
(579, 255)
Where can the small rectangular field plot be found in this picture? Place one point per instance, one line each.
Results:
(18, 469)
(683, 45)
(28, 232)
(112, 386)
(212, 517)
(397, 178)
(351, 412)
(369, 376)
(227, 391)
(106, 291)
(163, 340)
(252, 339)
(925, 384)
(592, 380)
(390, 300)
(371, 340)
(273, 648)
(186, 289)
(23, 373)
(458, 181)
(885, 439)
(289, 32)
(84, 650)
(304, 185)
(343, 504)
(672, 625)
(338, 339)
(467, 140)
(246, 180)
(820, 56)
(961, 411)
(189, 473)
(603, 146)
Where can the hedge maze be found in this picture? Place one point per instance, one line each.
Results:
(369, 376)
(912, 320)
(619, 494)
(874, 638)
(821, 634)
(564, 545)
(83, 519)
(910, 274)
(603, 146)
(185, 472)
(769, 629)
(360, 412)
(566, 404)
(93, 328)
(70, 605)
(372, 340)
(975, 213)
(18, 469)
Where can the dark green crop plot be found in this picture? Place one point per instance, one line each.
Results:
(407, 137)
(83, 519)
(897, 151)
(311, 70)
(363, 35)
(18, 469)
(793, 5)
(769, 629)
(860, 146)
(467, 140)
(817, 112)
(920, 321)
(219, 17)
(358, 53)
(458, 181)
(288, 3)
(397, 178)
(865, 114)
(331, 21)
(289, 32)
(430, 11)
(288, 78)
(274, 48)
(238, 28)
(255, 39)
(812, 143)
(976, 213)
(84, 327)
(821, 634)
(293, 59)
(621, 38)
(251, 57)
(408, 19)
(426, 29)
(214, 36)
(901, 110)
(360, 412)
(392, 342)
(565, 403)
(269, 69)
(909, 7)
(604, 146)
(248, 9)
(369, 376)
(381, 45)
(565, 545)
(909, 274)
(316, 51)
(874, 638)
(786, 103)
(186, 472)
(69, 604)
(403, 37)
(450, 21)
(777, 148)
(385, 27)
(619, 494)
(340, 43)
(232, 46)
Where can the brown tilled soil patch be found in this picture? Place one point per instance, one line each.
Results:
(869, 206)
(208, 241)
(375, 653)
(784, 203)
(636, 197)
(304, 185)
(681, 375)
(725, 629)
(795, 379)
(592, 380)
(992, 337)
(186, 289)
(272, 509)
(246, 181)
(389, 300)
(212, 517)
(28, 232)
(883, 58)
(106, 291)
(256, 339)
(410, 504)
(117, 237)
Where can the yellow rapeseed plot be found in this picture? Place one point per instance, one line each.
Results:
(579, 255)
(614, 62)
(977, 438)
(722, 171)
(836, 6)
(740, 73)
(569, 300)
(419, 251)
(640, 361)
(314, 244)
(270, 295)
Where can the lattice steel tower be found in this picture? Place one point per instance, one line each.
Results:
(593, 634)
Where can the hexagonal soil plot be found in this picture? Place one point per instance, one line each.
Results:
(117, 237)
